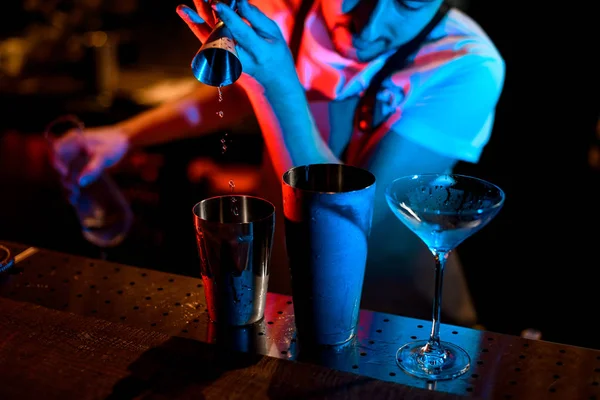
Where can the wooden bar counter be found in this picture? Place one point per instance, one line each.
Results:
(79, 328)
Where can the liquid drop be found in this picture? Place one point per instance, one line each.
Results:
(223, 145)
(234, 207)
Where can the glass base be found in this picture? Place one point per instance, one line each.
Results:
(453, 362)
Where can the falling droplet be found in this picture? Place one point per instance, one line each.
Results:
(220, 94)
(224, 144)
(220, 114)
(234, 208)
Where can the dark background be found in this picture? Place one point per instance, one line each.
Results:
(534, 266)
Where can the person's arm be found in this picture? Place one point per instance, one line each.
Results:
(193, 115)
(270, 81)
(287, 125)
(274, 89)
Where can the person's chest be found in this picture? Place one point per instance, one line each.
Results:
(337, 121)
(334, 120)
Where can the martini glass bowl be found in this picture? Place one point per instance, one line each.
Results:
(442, 210)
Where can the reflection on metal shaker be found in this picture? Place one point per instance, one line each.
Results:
(248, 338)
(235, 251)
(328, 210)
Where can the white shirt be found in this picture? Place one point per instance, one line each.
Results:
(443, 100)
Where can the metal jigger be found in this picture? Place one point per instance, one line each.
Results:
(217, 62)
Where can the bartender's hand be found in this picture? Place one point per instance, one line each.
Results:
(261, 47)
(105, 147)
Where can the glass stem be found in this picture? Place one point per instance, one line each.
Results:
(440, 263)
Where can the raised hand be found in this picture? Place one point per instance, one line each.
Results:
(201, 21)
(261, 47)
(102, 147)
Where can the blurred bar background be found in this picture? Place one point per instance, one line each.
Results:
(105, 60)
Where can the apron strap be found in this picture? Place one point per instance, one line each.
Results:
(363, 116)
(364, 113)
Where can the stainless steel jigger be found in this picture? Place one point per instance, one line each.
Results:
(217, 62)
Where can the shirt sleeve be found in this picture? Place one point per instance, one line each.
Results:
(455, 115)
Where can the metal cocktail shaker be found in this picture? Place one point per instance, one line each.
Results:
(234, 235)
(328, 210)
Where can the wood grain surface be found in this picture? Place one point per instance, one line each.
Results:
(49, 354)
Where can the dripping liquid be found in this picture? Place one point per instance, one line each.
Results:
(220, 114)
(234, 206)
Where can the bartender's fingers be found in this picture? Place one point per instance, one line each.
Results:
(205, 11)
(243, 33)
(194, 22)
(64, 150)
(262, 24)
(91, 171)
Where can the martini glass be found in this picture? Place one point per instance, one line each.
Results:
(442, 210)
